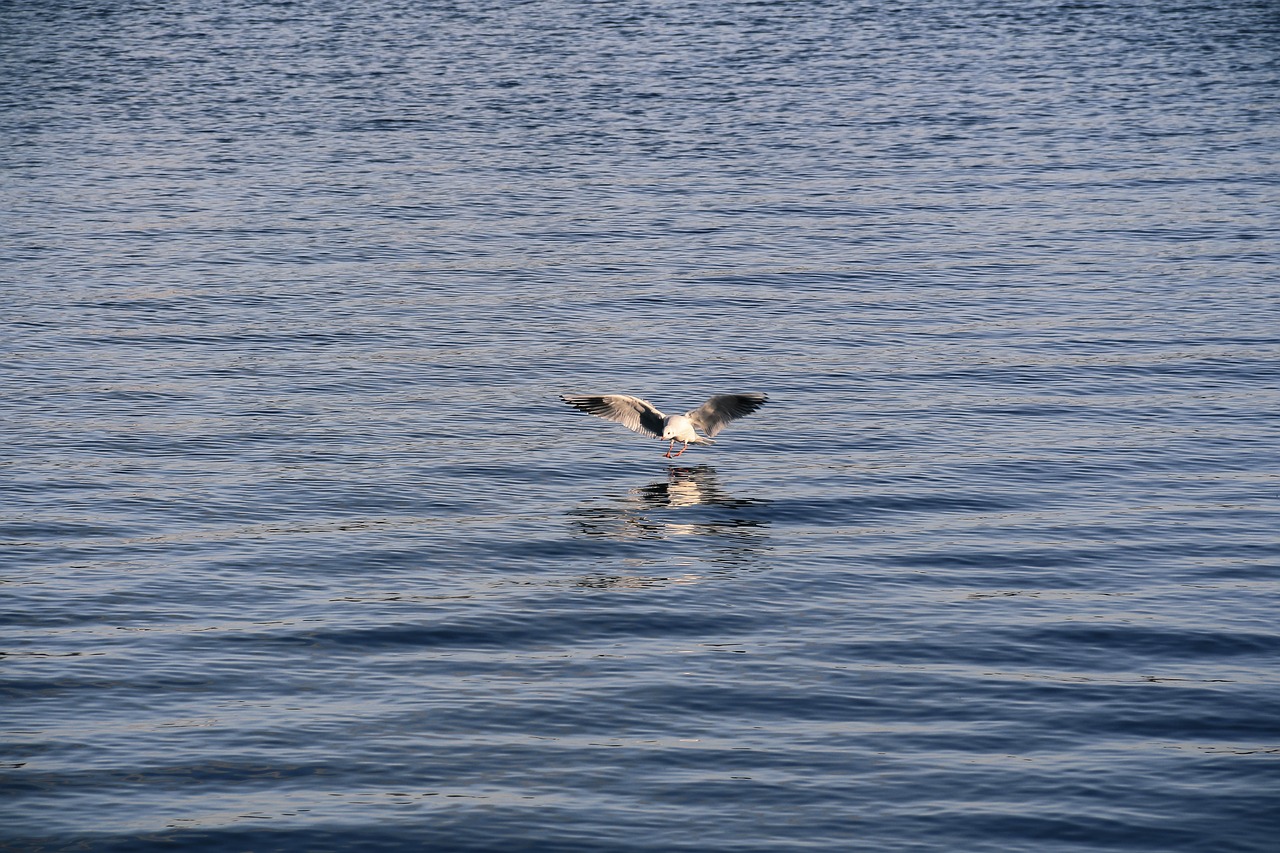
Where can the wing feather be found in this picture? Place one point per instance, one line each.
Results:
(713, 415)
(632, 412)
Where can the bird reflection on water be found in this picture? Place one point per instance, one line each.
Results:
(685, 487)
(643, 511)
(689, 502)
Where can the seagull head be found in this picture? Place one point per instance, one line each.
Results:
(678, 428)
(672, 429)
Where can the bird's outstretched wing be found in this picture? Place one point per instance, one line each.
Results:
(712, 415)
(632, 412)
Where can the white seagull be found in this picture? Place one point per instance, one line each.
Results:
(641, 416)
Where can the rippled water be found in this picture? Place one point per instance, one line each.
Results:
(302, 552)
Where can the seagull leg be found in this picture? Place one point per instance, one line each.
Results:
(669, 449)
(682, 450)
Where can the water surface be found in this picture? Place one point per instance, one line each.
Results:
(302, 552)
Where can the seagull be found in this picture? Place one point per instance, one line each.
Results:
(640, 416)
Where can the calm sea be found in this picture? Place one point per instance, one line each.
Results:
(301, 552)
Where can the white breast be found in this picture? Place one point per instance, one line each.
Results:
(679, 427)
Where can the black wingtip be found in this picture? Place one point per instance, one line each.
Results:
(583, 402)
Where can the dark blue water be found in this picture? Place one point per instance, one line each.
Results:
(301, 552)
